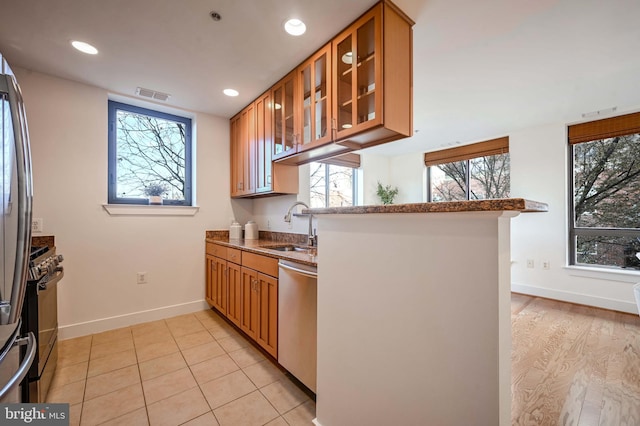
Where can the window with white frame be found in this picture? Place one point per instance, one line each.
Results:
(471, 172)
(332, 185)
(149, 154)
(604, 222)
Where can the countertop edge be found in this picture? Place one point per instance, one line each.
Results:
(263, 249)
(503, 204)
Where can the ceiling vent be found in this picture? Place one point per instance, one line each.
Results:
(152, 94)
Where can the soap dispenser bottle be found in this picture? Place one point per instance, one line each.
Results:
(235, 230)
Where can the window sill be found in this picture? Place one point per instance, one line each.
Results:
(627, 276)
(142, 210)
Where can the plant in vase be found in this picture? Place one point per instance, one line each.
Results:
(155, 191)
(386, 193)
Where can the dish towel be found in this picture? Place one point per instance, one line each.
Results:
(636, 291)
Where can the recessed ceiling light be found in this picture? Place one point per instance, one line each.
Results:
(230, 92)
(295, 27)
(84, 47)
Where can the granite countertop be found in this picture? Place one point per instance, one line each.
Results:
(502, 204)
(262, 247)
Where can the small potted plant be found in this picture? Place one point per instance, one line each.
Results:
(386, 193)
(155, 191)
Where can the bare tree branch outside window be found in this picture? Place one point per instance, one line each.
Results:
(149, 150)
(330, 185)
(606, 184)
(489, 177)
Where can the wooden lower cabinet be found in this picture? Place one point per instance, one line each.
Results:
(245, 294)
(210, 268)
(267, 333)
(216, 287)
(249, 318)
(259, 319)
(234, 303)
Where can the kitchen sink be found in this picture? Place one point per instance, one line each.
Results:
(291, 247)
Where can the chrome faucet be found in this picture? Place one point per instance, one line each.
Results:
(312, 238)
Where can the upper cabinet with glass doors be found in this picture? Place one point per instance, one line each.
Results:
(356, 91)
(372, 67)
(285, 133)
(314, 81)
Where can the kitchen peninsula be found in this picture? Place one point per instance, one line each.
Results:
(414, 313)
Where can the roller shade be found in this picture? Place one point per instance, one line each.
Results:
(344, 160)
(467, 152)
(606, 128)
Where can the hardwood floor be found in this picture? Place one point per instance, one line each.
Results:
(573, 365)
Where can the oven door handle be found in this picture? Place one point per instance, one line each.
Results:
(30, 341)
(58, 276)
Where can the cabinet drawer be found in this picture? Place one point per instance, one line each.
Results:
(266, 265)
(234, 255)
(217, 250)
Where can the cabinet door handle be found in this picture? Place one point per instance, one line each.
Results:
(214, 267)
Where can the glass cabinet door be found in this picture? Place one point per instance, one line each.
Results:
(358, 74)
(314, 81)
(284, 138)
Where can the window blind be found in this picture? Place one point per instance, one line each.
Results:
(606, 128)
(467, 152)
(344, 160)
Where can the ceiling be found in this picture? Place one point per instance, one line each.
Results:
(481, 69)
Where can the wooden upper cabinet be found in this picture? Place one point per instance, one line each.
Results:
(372, 65)
(264, 142)
(285, 120)
(353, 93)
(314, 102)
(253, 172)
(243, 156)
(369, 88)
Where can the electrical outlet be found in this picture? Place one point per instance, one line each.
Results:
(37, 225)
(142, 277)
(530, 263)
(545, 264)
(268, 224)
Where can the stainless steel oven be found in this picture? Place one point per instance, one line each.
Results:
(40, 316)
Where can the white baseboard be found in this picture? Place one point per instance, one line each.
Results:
(582, 299)
(104, 324)
(316, 422)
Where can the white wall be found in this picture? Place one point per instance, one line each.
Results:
(407, 173)
(68, 130)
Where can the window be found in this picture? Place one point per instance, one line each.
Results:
(604, 226)
(332, 185)
(148, 149)
(472, 172)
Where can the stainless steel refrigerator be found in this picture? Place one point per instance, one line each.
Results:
(16, 352)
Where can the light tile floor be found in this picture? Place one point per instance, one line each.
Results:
(192, 369)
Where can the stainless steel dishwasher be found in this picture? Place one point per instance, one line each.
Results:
(297, 319)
